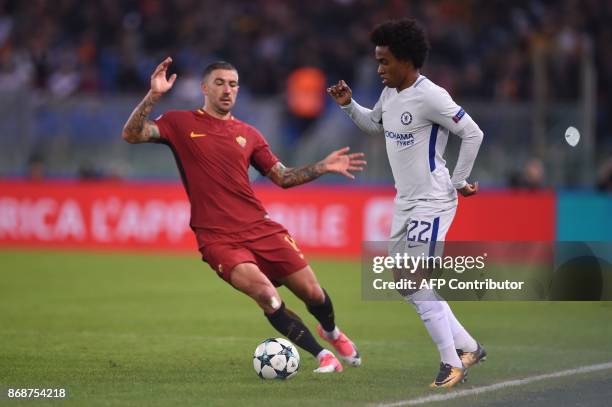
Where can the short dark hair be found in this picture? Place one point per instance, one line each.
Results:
(217, 65)
(405, 38)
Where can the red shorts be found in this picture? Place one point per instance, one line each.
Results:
(276, 255)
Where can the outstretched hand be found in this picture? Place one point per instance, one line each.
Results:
(341, 93)
(469, 189)
(342, 163)
(159, 82)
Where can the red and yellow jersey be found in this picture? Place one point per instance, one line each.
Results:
(213, 157)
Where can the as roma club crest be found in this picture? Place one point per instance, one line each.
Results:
(241, 140)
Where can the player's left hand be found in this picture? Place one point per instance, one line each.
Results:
(342, 163)
(469, 189)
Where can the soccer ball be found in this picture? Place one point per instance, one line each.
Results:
(276, 358)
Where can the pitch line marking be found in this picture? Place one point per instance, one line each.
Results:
(497, 386)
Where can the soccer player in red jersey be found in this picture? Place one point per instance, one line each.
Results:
(235, 235)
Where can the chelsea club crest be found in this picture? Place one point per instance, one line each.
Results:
(406, 118)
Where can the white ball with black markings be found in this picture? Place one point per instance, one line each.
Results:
(276, 358)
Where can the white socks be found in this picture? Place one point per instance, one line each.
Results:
(433, 313)
(463, 340)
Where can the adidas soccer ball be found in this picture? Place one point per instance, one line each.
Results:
(276, 358)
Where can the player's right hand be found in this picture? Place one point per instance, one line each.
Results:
(469, 189)
(341, 93)
(159, 82)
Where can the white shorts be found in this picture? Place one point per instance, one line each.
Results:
(417, 229)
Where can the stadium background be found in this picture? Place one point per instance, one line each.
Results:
(72, 71)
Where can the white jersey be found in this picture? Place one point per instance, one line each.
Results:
(416, 122)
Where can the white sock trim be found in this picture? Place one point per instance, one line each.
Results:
(333, 335)
(323, 353)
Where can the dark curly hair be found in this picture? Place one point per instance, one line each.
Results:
(405, 38)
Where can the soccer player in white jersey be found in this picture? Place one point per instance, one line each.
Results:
(416, 116)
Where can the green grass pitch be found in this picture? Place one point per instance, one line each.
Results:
(134, 330)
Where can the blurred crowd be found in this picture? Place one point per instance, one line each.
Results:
(480, 48)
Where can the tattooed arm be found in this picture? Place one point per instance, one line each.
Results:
(289, 177)
(138, 129)
(338, 161)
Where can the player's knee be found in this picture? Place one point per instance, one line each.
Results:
(314, 295)
(268, 299)
(407, 279)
